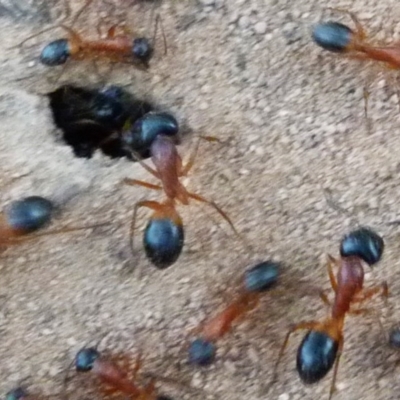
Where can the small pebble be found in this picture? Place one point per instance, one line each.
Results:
(260, 28)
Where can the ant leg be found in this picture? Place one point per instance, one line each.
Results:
(309, 325)
(139, 159)
(336, 368)
(366, 294)
(331, 262)
(360, 31)
(136, 182)
(216, 208)
(324, 298)
(159, 22)
(66, 229)
(183, 171)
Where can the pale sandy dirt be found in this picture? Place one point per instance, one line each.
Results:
(291, 119)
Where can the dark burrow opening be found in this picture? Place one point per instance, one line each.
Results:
(108, 119)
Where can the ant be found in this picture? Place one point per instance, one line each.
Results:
(322, 346)
(112, 375)
(164, 235)
(256, 281)
(115, 47)
(339, 38)
(22, 217)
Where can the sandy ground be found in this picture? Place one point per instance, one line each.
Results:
(291, 120)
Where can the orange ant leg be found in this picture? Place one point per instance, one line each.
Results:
(371, 292)
(360, 31)
(183, 171)
(336, 367)
(150, 170)
(324, 298)
(331, 262)
(32, 236)
(216, 208)
(136, 182)
(309, 325)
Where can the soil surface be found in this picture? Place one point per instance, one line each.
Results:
(290, 117)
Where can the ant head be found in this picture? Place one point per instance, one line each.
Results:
(29, 214)
(201, 352)
(261, 277)
(145, 130)
(55, 53)
(162, 397)
(332, 36)
(85, 359)
(16, 394)
(142, 49)
(363, 243)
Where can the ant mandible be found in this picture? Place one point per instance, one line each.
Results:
(255, 282)
(339, 38)
(164, 235)
(322, 346)
(115, 377)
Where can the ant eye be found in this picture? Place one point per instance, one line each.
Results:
(29, 214)
(363, 243)
(332, 36)
(201, 352)
(16, 394)
(142, 49)
(55, 53)
(85, 359)
(261, 277)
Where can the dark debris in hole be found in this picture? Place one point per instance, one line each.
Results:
(108, 119)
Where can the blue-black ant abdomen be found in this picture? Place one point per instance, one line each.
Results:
(56, 53)
(145, 130)
(201, 352)
(29, 214)
(332, 36)
(18, 393)
(85, 359)
(163, 241)
(394, 338)
(261, 277)
(142, 49)
(315, 356)
(363, 243)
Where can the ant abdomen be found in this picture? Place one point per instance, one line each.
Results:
(315, 356)
(18, 393)
(201, 352)
(29, 214)
(163, 241)
(56, 53)
(332, 36)
(363, 243)
(142, 49)
(261, 277)
(85, 359)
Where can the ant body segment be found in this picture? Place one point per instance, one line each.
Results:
(22, 217)
(18, 393)
(339, 38)
(112, 375)
(164, 235)
(322, 346)
(116, 48)
(256, 281)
